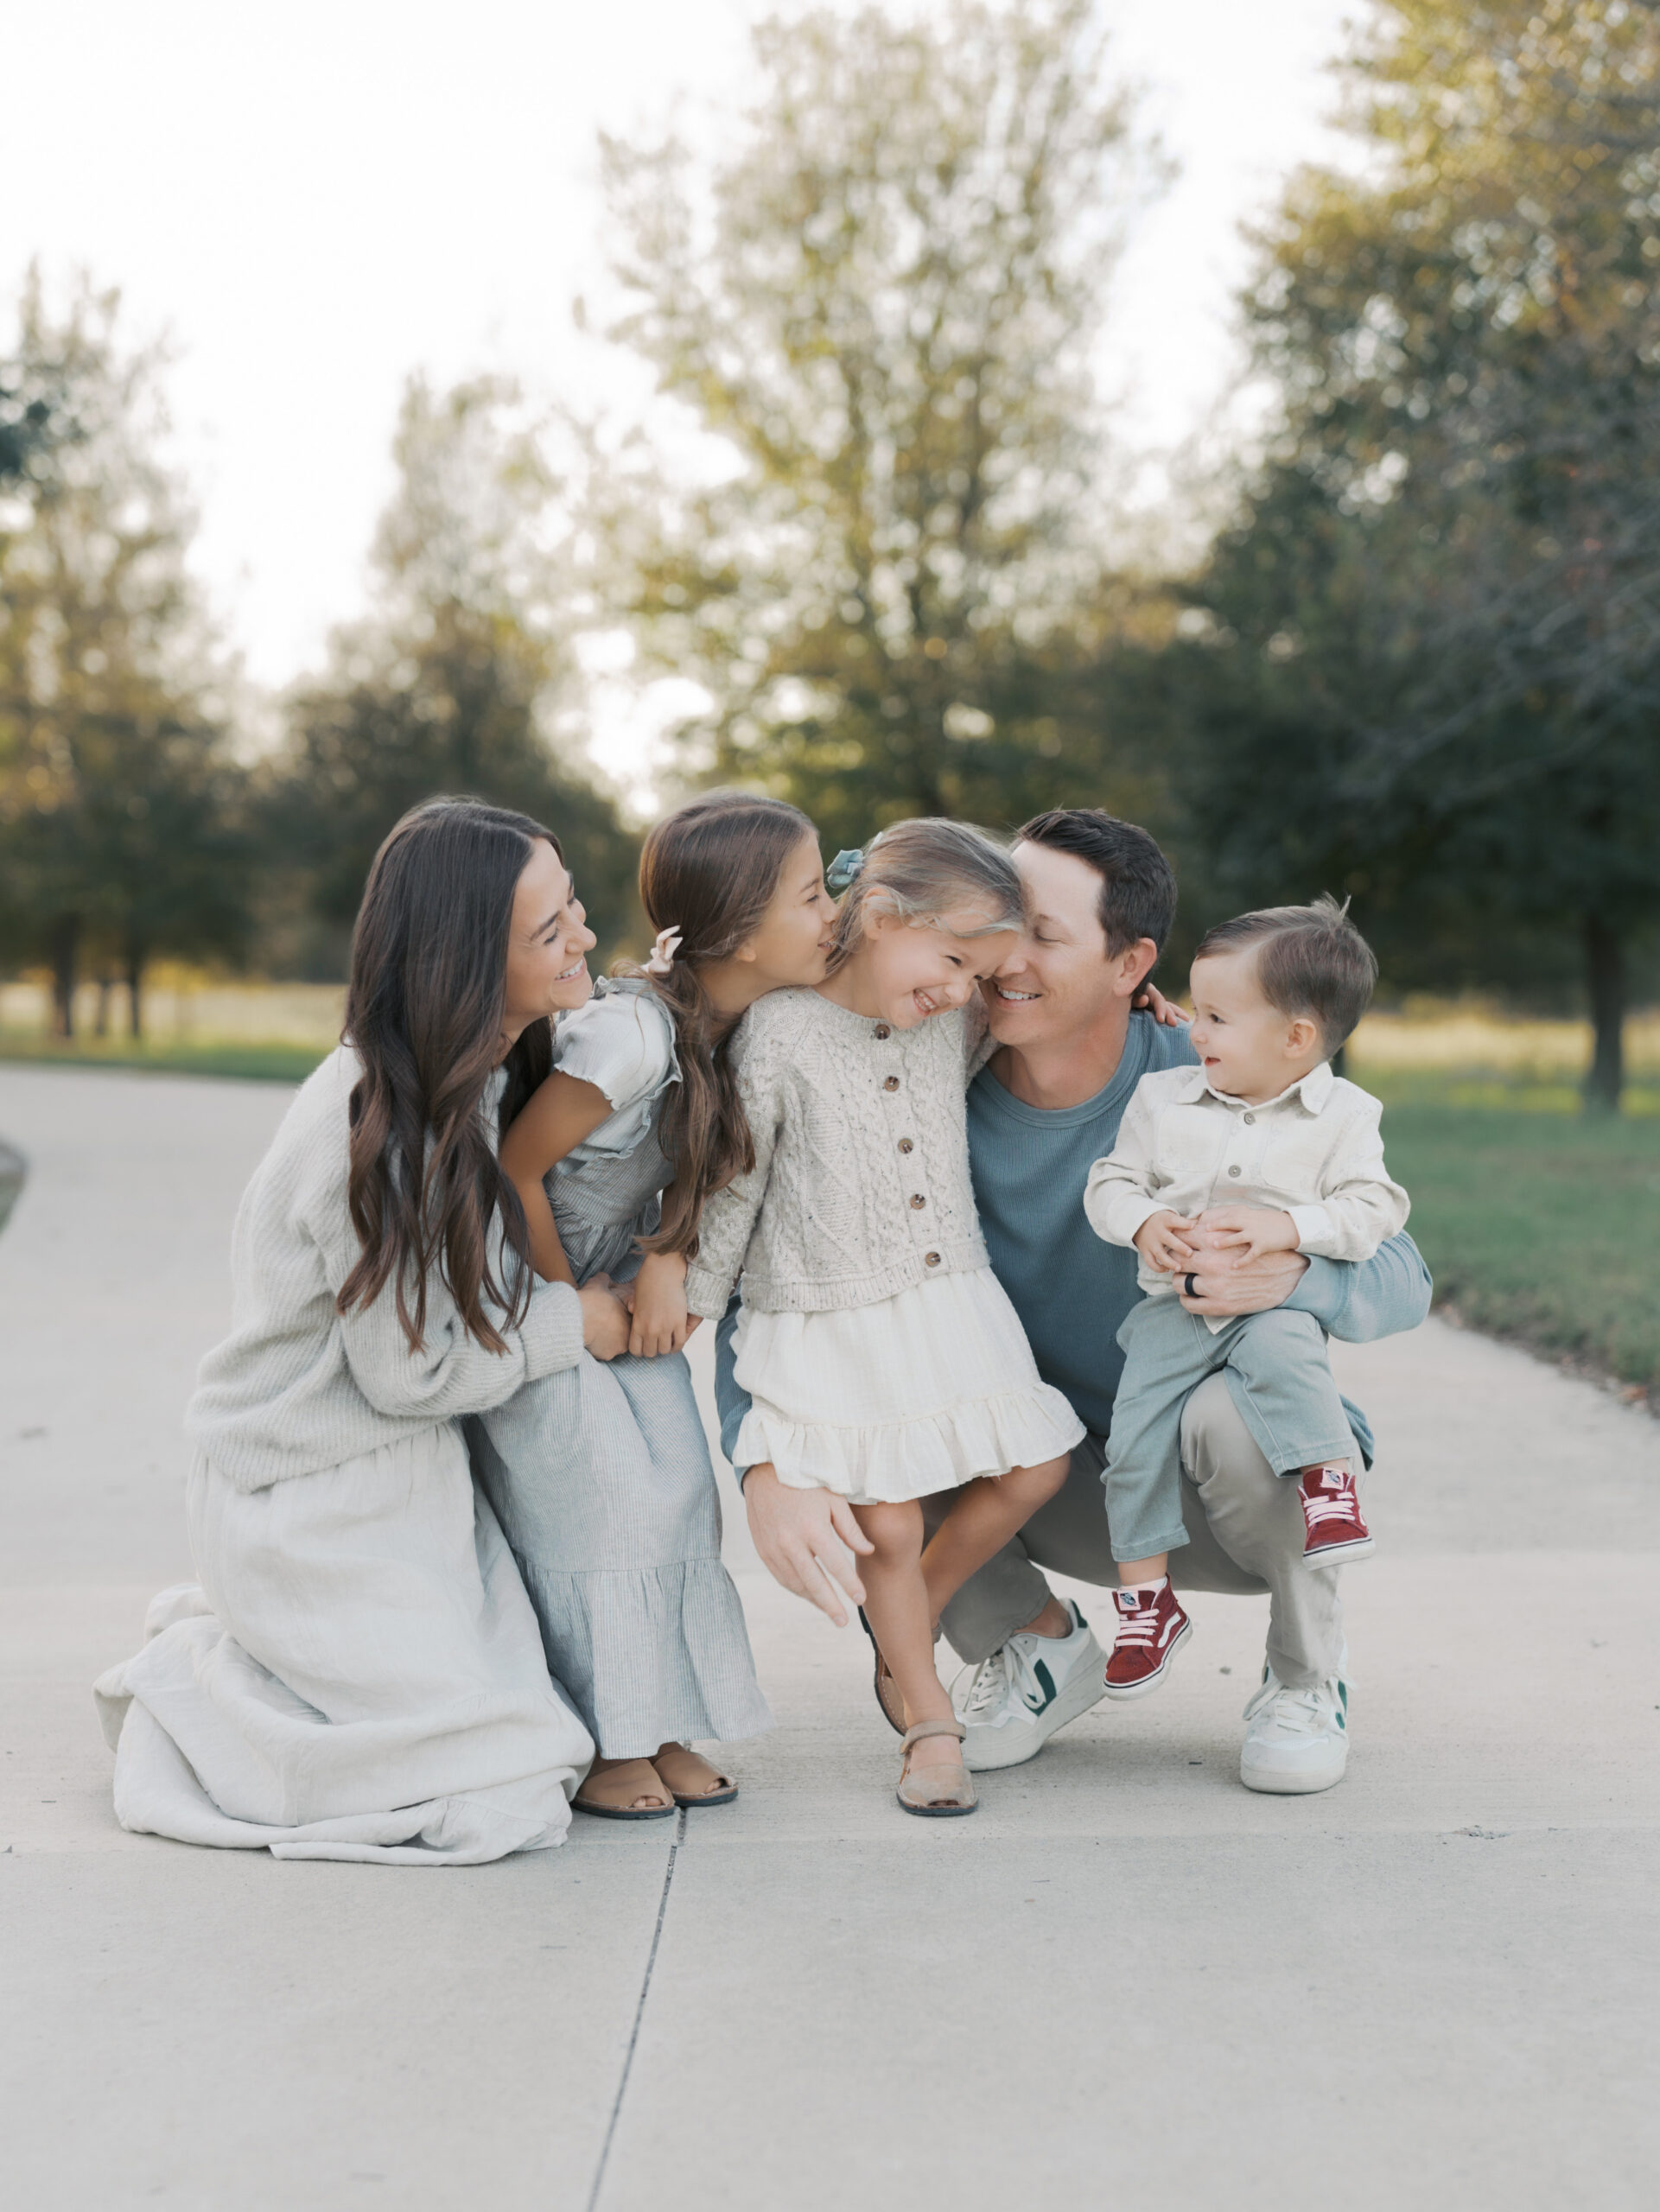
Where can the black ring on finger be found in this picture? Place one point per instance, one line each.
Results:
(1188, 1285)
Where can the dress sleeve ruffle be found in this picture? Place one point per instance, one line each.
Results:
(622, 1042)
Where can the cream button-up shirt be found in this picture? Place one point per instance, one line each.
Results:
(1315, 1151)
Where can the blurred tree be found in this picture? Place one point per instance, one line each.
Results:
(1425, 666)
(457, 680)
(32, 416)
(882, 304)
(117, 792)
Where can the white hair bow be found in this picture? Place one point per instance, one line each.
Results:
(663, 952)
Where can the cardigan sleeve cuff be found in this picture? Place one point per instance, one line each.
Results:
(707, 1295)
(552, 1331)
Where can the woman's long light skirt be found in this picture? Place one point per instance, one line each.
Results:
(359, 1674)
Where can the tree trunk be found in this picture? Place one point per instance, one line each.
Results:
(136, 959)
(101, 1020)
(1604, 972)
(66, 951)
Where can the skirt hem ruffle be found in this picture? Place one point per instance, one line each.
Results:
(891, 1462)
(650, 1655)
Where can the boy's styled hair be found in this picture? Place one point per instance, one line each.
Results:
(1138, 885)
(927, 867)
(1310, 960)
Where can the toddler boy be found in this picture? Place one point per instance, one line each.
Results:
(1264, 1143)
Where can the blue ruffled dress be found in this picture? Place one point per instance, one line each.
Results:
(600, 1475)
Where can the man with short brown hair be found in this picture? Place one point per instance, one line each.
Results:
(1069, 1051)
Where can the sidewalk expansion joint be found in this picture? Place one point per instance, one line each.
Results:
(640, 2014)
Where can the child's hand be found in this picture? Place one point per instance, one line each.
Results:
(1151, 999)
(605, 1318)
(1252, 1230)
(1161, 1242)
(661, 1323)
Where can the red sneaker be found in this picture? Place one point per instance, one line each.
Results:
(1152, 1628)
(1333, 1524)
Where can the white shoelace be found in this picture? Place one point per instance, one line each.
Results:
(988, 1687)
(1139, 1627)
(1331, 1505)
(1303, 1712)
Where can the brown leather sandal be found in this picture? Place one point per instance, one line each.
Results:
(672, 1759)
(936, 1792)
(629, 1778)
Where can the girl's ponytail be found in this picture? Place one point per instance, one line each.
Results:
(704, 1132)
(707, 876)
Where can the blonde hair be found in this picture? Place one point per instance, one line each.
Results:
(923, 870)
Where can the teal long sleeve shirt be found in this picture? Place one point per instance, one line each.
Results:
(1071, 1290)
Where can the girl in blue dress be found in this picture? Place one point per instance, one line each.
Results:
(600, 1475)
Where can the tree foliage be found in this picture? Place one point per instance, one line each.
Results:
(461, 679)
(881, 302)
(118, 794)
(1426, 663)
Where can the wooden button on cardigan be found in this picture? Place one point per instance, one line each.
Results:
(829, 1218)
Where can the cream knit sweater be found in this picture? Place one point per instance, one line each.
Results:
(296, 1387)
(861, 1184)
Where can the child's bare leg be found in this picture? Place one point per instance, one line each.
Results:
(896, 1605)
(1132, 1571)
(981, 1519)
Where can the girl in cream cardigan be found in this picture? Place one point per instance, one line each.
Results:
(882, 1358)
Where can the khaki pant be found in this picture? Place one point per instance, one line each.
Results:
(1245, 1536)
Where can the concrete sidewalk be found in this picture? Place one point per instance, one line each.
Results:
(1126, 1978)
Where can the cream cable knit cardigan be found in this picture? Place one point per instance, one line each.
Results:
(296, 1387)
(861, 1184)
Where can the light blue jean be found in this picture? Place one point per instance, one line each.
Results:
(1279, 1378)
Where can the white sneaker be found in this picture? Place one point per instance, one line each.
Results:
(1298, 1740)
(1013, 1702)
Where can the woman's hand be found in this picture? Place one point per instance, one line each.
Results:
(605, 1318)
(1151, 999)
(803, 1537)
(661, 1323)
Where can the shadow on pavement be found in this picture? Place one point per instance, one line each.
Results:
(13, 1170)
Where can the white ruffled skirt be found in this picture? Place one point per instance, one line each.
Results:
(920, 1393)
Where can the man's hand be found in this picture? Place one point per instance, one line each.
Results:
(1251, 1230)
(658, 1303)
(605, 1318)
(1164, 1241)
(1229, 1282)
(803, 1537)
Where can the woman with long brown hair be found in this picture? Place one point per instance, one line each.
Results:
(358, 1674)
(600, 1475)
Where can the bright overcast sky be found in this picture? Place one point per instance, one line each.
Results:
(312, 199)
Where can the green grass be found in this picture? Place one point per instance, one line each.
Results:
(1538, 1222)
(252, 1063)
